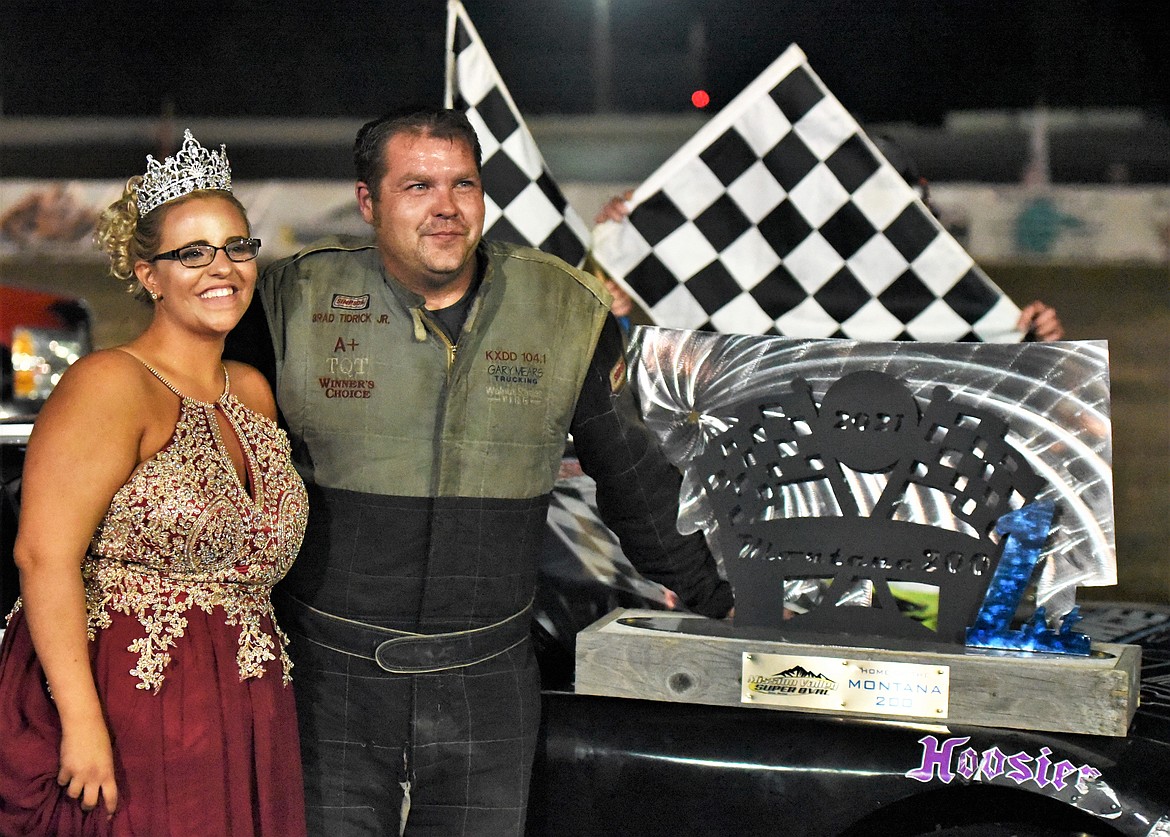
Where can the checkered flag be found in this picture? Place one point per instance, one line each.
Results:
(772, 447)
(523, 203)
(574, 520)
(963, 451)
(781, 217)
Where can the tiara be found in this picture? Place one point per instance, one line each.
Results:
(194, 167)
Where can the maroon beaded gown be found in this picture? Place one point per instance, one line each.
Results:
(188, 661)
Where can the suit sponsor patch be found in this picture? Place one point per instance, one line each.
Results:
(617, 376)
(351, 303)
(514, 376)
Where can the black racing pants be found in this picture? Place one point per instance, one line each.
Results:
(443, 753)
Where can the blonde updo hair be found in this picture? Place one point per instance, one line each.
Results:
(128, 239)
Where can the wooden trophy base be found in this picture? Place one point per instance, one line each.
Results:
(1095, 695)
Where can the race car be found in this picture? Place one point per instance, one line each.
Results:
(618, 766)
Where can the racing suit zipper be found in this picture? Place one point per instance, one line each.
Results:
(423, 324)
(452, 348)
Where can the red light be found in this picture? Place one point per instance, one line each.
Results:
(700, 99)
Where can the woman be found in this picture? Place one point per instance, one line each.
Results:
(143, 681)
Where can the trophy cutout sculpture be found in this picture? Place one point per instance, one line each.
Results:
(868, 423)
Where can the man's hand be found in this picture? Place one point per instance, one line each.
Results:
(622, 304)
(1042, 321)
(616, 209)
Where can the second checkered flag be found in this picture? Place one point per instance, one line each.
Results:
(781, 217)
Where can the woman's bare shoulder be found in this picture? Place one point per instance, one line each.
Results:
(103, 396)
(107, 375)
(251, 388)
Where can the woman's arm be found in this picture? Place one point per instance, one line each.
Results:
(84, 446)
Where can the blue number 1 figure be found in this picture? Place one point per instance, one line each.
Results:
(1024, 530)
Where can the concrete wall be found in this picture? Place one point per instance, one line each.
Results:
(1130, 307)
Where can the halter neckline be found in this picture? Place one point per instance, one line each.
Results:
(227, 383)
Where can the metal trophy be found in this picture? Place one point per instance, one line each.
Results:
(904, 524)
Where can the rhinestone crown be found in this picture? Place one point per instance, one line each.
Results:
(194, 167)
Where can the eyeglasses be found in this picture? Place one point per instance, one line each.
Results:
(201, 255)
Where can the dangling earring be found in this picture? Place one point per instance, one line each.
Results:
(154, 297)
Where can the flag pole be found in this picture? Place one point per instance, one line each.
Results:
(453, 7)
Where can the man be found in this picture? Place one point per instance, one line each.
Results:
(428, 380)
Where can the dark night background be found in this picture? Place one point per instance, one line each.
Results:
(887, 60)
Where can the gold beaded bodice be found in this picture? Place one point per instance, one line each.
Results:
(185, 531)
